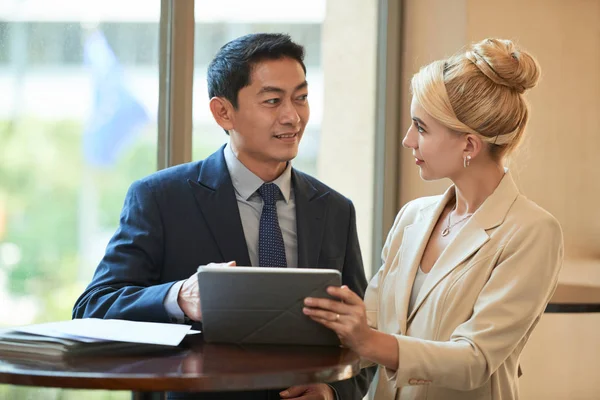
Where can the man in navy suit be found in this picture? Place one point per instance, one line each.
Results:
(243, 205)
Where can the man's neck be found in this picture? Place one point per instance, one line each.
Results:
(267, 171)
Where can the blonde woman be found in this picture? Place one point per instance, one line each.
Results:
(466, 275)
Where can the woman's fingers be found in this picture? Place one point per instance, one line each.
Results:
(328, 304)
(345, 294)
(334, 326)
(322, 314)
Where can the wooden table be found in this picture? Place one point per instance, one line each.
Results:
(198, 367)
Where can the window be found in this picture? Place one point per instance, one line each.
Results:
(77, 127)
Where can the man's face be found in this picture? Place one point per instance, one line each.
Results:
(271, 115)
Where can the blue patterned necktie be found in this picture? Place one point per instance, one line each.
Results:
(271, 249)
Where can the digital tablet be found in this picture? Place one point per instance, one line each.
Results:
(263, 305)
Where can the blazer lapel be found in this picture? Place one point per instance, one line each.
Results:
(473, 235)
(414, 241)
(467, 242)
(311, 211)
(216, 199)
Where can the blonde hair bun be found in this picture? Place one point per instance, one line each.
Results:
(479, 91)
(502, 62)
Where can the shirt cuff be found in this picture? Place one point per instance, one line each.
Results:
(171, 305)
(335, 393)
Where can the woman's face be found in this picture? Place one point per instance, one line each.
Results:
(438, 151)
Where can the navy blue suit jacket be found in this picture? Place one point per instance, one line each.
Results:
(185, 216)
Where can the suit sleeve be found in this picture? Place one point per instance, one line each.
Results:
(507, 309)
(353, 275)
(126, 282)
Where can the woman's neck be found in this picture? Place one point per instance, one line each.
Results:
(474, 186)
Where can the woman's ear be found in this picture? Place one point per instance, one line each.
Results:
(222, 111)
(473, 145)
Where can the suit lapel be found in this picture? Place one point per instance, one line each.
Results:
(467, 242)
(414, 241)
(216, 200)
(470, 239)
(311, 210)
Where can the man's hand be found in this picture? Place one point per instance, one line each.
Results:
(188, 297)
(317, 391)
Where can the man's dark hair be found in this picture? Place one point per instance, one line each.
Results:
(230, 70)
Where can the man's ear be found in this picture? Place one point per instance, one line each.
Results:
(222, 111)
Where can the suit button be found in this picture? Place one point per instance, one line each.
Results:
(421, 382)
(413, 381)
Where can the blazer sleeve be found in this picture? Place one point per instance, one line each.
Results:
(508, 307)
(126, 282)
(353, 275)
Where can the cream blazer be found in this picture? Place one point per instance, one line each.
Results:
(478, 304)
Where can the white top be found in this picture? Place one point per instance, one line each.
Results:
(419, 279)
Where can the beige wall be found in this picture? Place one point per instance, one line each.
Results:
(557, 167)
(561, 360)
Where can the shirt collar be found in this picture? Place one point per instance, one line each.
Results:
(246, 183)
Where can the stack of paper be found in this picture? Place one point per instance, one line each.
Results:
(91, 336)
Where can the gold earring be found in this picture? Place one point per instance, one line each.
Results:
(467, 161)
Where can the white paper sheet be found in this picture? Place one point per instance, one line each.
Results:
(94, 330)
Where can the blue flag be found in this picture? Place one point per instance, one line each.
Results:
(117, 117)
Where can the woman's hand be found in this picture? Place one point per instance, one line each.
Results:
(348, 319)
